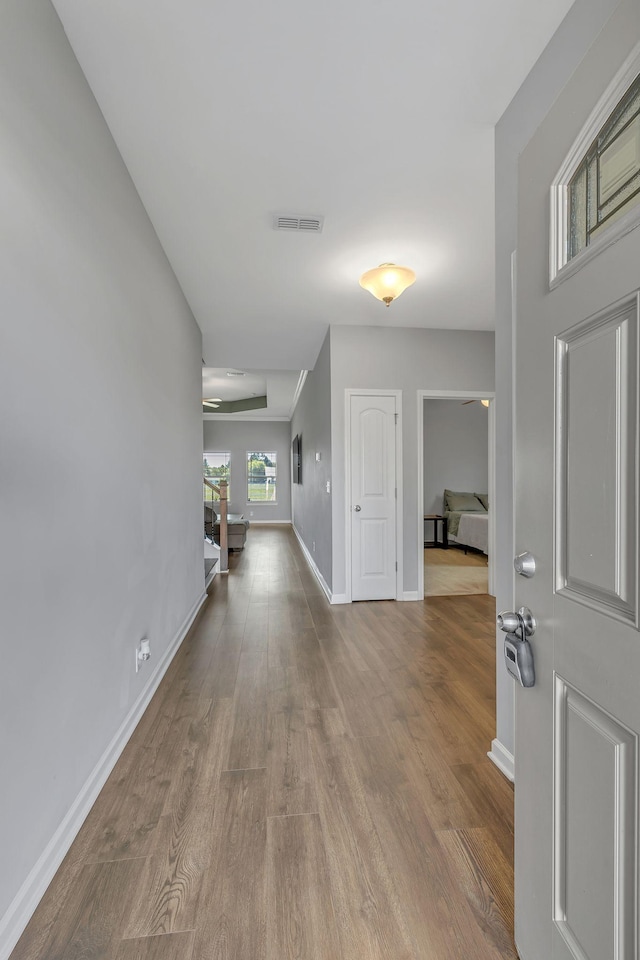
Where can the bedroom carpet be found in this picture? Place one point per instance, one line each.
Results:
(453, 573)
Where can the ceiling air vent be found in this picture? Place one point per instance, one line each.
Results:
(301, 224)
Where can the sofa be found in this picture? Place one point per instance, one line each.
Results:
(237, 527)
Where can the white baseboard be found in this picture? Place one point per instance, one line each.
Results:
(410, 595)
(21, 909)
(339, 598)
(503, 760)
(321, 580)
(263, 523)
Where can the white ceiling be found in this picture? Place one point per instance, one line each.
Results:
(377, 116)
(279, 386)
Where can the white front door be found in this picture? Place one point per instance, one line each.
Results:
(373, 497)
(577, 512)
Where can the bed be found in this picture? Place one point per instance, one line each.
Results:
(473, 531)
(467, 519)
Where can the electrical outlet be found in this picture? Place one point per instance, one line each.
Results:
(313, 546)
(328, 486)
(143, 653)
(250, 513)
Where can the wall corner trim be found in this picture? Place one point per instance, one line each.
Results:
(503, 759)
(296, 396)
(14, 921)
(339, 598)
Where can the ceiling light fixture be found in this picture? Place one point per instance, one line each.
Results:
(387, 281)
(485, 403)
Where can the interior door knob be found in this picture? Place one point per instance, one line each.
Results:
(357, 508)
(522, 622)
(509, 622)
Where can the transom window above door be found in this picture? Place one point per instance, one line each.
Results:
(596, 195)
(607, 182)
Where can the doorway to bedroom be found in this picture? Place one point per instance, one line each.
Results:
(456, 459)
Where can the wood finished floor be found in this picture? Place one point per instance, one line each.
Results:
(309, 782)
(454, 572)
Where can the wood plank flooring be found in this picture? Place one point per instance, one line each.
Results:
(309, 783)
(453, 572)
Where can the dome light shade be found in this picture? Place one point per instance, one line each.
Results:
(387, 281)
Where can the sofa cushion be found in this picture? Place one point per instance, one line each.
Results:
(232, 521)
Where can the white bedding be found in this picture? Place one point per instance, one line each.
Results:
(473, 531)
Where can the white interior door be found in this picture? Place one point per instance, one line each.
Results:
(576, 512)
(373, 497)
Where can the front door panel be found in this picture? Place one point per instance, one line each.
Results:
(595, 812)
(596, 426)
(576, 842)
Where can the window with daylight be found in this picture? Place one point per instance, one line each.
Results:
(216, 466)
(606, 183)
(262, 477)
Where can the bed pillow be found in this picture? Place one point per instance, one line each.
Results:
(483, 498)
(453, 493)
(448, 494)
(462, 502)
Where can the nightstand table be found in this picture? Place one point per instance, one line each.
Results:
(436, 518)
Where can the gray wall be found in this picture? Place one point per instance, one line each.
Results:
(241, 436)
(514, 130)
(100, 436)
(312, 505)
(456, 450)
(408, 360)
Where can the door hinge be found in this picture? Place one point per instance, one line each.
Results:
(395, 419)
(395, 493)
(396, 566)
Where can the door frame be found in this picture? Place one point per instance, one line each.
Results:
(374, 392)
(491, 492)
